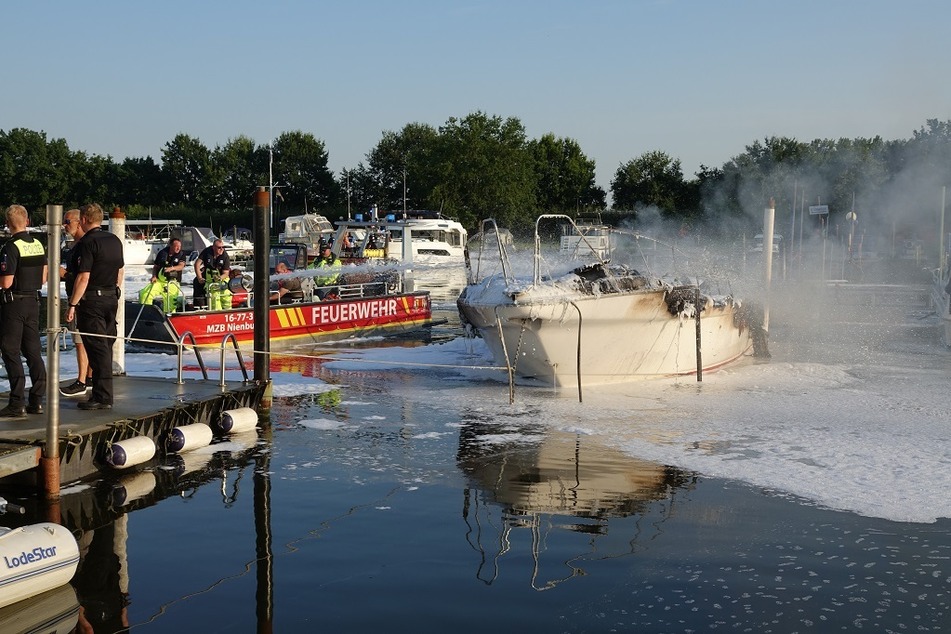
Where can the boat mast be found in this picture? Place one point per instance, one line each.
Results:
(270, 184)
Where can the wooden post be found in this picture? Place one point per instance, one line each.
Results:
(262, 333)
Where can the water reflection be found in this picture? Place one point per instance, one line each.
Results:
(97, 598)
(559, 486)
(52, 612)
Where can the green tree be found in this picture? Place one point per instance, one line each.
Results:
(484, 170)
(93, 179)
(401, 165)
(140, 183)
(652, 179)
(564, 177)
(34, 172)
(186, 162)
(239, 167)
(300, 170)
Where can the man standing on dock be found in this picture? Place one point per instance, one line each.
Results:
(23, 271)
(94, 301)
(83, 382)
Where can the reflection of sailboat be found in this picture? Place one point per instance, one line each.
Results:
(536, 483)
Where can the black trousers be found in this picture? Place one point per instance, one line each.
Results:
(20, 325)
(200, 295)
(96, 316)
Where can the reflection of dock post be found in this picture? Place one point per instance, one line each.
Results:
(262, 345)
(264, 594)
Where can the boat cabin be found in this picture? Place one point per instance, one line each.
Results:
(433, 237)
(293, 254)
(308, 229)
(585, 238)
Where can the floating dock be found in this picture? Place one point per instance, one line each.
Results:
(144, 406)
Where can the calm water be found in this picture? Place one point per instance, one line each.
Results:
(416, 497)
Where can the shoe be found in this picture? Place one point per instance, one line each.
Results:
(74, 389)
(12, 412)
(34, 409)
(94, 405)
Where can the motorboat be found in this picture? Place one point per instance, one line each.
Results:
(433, 239)
(239, 243)
(35, 558)
(143, 239)
(308, 228)
(360, 303)
(426, 247)
(596, 322)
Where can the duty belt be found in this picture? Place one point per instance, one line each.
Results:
(101, 291)
(34, 294)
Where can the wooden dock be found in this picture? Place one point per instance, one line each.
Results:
(144, 406)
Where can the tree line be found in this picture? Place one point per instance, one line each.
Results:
(481, 166)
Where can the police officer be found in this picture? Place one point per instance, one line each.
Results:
(23, 271)
(213, 260)
(94, 301)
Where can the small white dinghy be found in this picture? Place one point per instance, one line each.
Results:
(34, 558)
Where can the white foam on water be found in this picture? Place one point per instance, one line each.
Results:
(853, 437)
(870, 439)
(323, 424)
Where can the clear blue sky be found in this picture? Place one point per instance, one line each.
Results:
(697, 79)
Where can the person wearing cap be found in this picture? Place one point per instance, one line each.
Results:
(326, 260)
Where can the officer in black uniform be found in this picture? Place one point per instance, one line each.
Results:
(23, 271)
(94, 301)
(213, 258)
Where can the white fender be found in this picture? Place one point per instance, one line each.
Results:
(34, 559)
(130, 451)
(235, 421)
(188, 437)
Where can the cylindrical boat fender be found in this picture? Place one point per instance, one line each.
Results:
(187, 437)
(37, 558)
(235, 421)
(129, 452)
